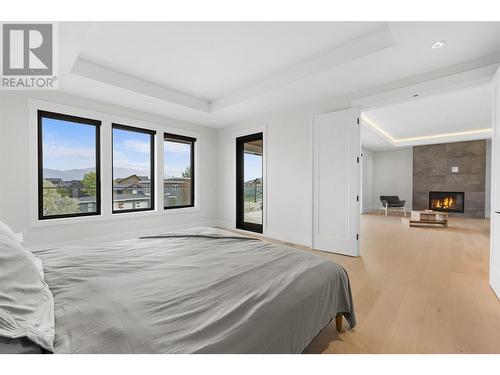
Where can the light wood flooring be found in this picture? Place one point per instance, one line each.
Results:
(418, 290)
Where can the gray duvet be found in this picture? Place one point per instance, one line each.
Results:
(203, 290)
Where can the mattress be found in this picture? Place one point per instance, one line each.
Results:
(202, 290)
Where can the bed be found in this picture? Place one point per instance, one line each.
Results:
(202, 290)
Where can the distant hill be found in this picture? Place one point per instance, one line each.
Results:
(77, 174)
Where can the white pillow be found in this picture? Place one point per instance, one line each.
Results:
(7, 232)
(26, 303)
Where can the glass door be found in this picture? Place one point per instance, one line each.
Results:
(249, 183)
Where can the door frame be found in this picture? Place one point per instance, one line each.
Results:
(239, 178)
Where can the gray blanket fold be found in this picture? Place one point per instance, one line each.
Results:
(199, 291)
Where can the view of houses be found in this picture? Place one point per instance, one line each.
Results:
(69, 196)
(132, 192)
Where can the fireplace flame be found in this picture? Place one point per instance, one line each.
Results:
(445, 203)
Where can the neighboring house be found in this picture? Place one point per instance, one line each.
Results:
(127, 188)
(87, 204)
(177, 191)
(132, 192)
(130, 201)
(120, 202)
(72, 189)
(132, 184)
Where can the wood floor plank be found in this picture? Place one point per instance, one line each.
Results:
(418, 290)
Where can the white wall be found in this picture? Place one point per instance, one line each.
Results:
(15, 191)
(367, 197)
(393, 175)
(289, 172)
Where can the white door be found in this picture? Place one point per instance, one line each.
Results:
(495, 196)
(336, 182)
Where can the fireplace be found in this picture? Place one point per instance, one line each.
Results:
(446, 201)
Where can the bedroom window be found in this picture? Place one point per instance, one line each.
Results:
(178, 173)
(68, 166)
(133, 169)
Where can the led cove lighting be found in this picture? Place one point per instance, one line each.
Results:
(395, 141)
(468, 132)
(377, 128)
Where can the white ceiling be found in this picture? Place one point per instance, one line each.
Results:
(463, 112)
(370, 140)
(210, 60)
(218, 74)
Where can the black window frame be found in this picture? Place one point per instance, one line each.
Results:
(240, 183)
(152, 134)
(181, 139)
(41, 114)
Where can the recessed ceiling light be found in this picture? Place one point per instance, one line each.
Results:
(149, 101)
(439, 44)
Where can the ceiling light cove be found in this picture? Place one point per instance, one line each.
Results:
(423, 139)
(378, 129)
(446, 135)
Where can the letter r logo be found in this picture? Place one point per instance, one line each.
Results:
(27, 49)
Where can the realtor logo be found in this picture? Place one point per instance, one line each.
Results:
(28, 57)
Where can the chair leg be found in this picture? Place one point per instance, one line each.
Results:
(385, 210)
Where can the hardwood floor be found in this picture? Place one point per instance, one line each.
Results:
(418, 290)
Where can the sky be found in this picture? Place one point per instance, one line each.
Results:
(177, 157)
(68, 145)
(131, 150)
(253, 166)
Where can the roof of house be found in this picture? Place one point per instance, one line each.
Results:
(130, 197)
(175, 179)
(86, 199)
(126, 186)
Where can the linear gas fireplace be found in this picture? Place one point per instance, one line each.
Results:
(446, 201)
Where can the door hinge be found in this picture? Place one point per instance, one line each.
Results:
(357, 159)
(357, 236)
(358, 120)
(357, 198)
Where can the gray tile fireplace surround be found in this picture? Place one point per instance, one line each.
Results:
(432, 171)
